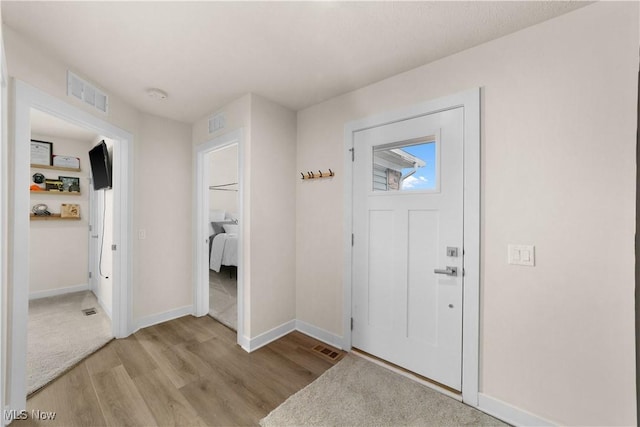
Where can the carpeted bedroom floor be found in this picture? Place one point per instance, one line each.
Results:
(223, 300)
(59, 335)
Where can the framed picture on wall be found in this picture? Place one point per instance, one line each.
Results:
(69, 210)
(41, 152)
(70, 183)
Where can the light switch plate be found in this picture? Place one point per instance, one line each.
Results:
(521, 255)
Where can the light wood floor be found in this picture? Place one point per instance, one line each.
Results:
(186, 372)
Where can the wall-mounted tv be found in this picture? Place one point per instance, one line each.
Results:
(100, 166)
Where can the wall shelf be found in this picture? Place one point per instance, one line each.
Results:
(56, 168)
(52, 217)
(59, 193)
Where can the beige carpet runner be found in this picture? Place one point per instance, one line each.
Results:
(357, 392)
(59, 335)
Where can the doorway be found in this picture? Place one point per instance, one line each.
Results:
(203, 240)
(412, 248)
(408, 218)
(69, 318)
(223, 235)
(26, 99)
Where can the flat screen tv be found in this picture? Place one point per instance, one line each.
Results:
(100, 166)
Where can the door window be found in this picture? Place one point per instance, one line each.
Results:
(406, 166)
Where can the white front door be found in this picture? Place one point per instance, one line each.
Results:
(408, 237)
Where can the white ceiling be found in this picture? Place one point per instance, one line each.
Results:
(206, 54)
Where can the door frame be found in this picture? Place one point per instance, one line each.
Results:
(26, 98)
(470, 102)
(201, 226)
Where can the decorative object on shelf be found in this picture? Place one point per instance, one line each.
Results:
(38, 178)
(35, 187)
(320, 174)
(70, 183)
(69, 210)
(66, 161)
(40, 210)
(41, 152)
(53, 185)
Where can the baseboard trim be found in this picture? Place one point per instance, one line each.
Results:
(245, 343)
(509, 413)
(58, 291)
(270, 336)
(319, 334)
(154, 319)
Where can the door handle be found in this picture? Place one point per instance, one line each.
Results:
(95, 236)
(449, 271)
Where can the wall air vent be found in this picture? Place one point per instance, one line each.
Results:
(84, 91)
(216, 123)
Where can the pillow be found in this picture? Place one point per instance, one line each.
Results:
(231, 228)
(217, 227)
(216, 215)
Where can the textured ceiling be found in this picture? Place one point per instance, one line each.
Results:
(206, 54)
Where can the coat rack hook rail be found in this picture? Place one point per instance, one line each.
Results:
(319, 174)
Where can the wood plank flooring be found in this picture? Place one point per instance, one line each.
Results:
(186, 372)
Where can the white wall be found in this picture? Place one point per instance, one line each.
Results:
(223, 169)
(269, 177)
(237, 115)
(163, 209)
(558, 172)
(58, 255)
(4, 116)
(162, 182)
(273, 215)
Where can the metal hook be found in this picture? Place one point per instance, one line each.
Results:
(331, 172)
(302, 175)
(320, 174)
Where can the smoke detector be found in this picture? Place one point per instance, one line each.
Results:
(155, 93)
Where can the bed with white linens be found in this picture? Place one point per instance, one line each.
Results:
(223, 241)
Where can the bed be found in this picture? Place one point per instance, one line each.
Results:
(223, 244)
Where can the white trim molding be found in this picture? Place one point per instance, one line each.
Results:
(59, 291)
(26, 98)
(154, 319)
(509, 413)
(320, 334)
(270, 336)
(201, 227)
(252, 344)
(470, 102)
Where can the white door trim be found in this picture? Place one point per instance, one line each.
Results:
(470, 101)
(4, 211)
(26, 98)
(201, 226)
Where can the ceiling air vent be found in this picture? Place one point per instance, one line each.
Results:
(86, 92)
(216, 123)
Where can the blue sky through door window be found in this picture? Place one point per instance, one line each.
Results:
(425, 177)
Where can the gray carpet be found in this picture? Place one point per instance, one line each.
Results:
(357, 392)
(223, 297)
(59, 335)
